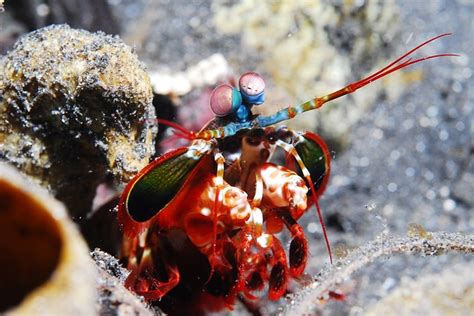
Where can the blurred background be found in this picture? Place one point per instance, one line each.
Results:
(403, 147)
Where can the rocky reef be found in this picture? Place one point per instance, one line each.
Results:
(75, 107)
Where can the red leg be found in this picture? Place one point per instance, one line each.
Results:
(278, 280)
(298, 246)
(147, 278)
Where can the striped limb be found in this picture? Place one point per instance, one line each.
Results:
(290, 149)
(252, 267)
(214, 258)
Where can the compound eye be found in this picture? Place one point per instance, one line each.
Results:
(251, 83)
(225, 99)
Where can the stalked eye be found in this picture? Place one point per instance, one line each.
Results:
(225, 99)
(251, 83)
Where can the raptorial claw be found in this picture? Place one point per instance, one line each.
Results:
(284, 188)
(233, 210)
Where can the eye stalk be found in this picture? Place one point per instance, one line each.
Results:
(252, 88)
(225, 100)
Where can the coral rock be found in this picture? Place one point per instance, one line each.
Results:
(74, 107)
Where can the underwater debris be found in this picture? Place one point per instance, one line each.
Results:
(42, 253)
(329, 278)
(74, 107)
(416, 230)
